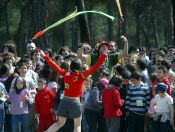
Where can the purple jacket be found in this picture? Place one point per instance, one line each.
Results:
(18, 105)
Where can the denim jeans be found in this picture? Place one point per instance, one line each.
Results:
(2, 119)
(95, 121)
(22, 120)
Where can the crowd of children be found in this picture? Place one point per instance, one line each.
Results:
(98, 89)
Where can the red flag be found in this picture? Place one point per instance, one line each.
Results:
(38, 34)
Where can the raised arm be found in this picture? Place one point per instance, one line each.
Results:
(52, 64)
(125, 49)
(95, 67)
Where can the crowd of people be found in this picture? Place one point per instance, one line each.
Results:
(96, 89)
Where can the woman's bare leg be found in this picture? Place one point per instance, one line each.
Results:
(77, 124)
(57, 125)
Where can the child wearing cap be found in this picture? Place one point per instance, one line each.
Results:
(44, 106)
(164, 112)
(112, 104)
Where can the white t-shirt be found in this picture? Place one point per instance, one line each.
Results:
(162, 104)
(52, 85)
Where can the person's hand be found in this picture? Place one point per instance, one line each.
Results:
(8, 111)
(124, 39)
(37, 117)
(127, 114)
(42, 53)
(106, 50)
(52, 110)
(25, 98)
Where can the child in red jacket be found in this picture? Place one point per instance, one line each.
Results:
(163, 78)
(44, 106)
(112, 104)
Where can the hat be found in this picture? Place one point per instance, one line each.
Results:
(100, 43)
(104, 81)
(31, 45)
(161, 87)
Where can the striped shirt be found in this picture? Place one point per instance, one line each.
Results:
(138, 98)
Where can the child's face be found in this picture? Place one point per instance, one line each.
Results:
(87, 85)
(161, 94)
(160, 74)
(41, 85)
(23, 70)
(19, 84)
(135, 81)
(125, 81)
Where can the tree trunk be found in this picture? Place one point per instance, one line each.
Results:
(40, 17)
(125, 4)
(83, 21)
(156, 37)
(7, 23)
(146, 37)
(169, 26)
(74, 37)
(138, 29)
(62, 28)
(20, 34)
(110, 23)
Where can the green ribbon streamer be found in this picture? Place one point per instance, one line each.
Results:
(74, 14)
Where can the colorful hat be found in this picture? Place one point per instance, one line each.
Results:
(161, 87)
(104, 81)
(101, 42)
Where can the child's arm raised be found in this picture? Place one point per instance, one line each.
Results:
(52, 64)
(97, 65)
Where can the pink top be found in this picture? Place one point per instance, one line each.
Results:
(152, 106)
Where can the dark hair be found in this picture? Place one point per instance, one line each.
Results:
(105, 71)
(71, 56)
(126, 75)
(131, 68)
(132, 49)
(116, 81)
(75, 65)
(166, 63)
(24, 85)
(136, 75)
(4, 69)
(35, 51)
(153, 77)
(120, 69)
(58, 57)
(142, 65)
(49, 51)
(11, 45)
(65, 48)
(8, 56)
(21, 63)
(65, 65)
(53, 76)
(42, 80)
(142, 49)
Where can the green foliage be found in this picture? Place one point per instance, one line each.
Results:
(147, 10)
